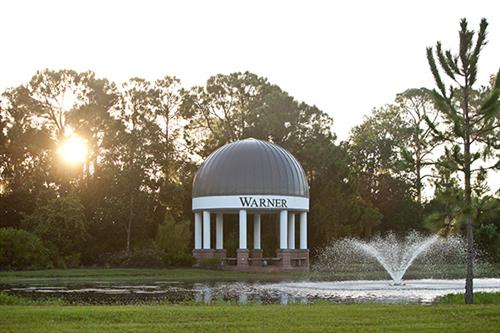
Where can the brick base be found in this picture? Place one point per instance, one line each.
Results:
(242, 262)
(251, 260)
(256, 254)
(201, 255)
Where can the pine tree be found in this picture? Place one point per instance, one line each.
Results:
(472, 120)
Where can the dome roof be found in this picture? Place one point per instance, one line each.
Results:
(252, 167)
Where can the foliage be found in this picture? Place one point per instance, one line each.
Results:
(146, 256)
(174, 240)
(6, 299)
(471, 119)
(488, 236)
(211, 263)
(417, 109)
(20, 249)
(61, 224)
(487, 232)
(376, 148)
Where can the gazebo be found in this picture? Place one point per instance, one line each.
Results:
(250, 178)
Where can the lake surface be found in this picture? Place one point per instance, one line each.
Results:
(413, 291)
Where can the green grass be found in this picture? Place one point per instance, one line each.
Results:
(479, 298)
(251, 318)
(132, 275)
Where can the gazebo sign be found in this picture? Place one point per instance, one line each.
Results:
(257, 202)
(251, 178)
(263, 202)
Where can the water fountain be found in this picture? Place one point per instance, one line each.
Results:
(396, 255)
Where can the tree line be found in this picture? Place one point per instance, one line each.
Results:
(128, 203)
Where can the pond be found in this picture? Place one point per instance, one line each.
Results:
(159, 292)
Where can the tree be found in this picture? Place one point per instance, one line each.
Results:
(135, 152)
(416, 105)
(26, 151)
(218, 113)
(377, 148)
(167, 98)
(471, 122)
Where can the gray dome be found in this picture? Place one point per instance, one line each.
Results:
(251, 167)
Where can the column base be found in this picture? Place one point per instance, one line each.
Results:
(220, 254)
(256, 257)
(300, 259)
(201, 256)
(242, 261)
(293, 260)
(285, 255)
(256, 254)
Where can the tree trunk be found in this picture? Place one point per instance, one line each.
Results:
(130, 219)
(469, 292)
(418, 167)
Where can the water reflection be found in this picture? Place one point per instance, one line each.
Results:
(414, 291)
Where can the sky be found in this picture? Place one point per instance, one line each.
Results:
(345, 57)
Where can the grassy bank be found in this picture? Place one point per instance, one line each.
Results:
(479, 298)
(250, 318)
(132, 275)
(144, 275)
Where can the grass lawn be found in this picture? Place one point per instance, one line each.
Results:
(251, 318)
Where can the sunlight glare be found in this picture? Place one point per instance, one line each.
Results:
(73, 150)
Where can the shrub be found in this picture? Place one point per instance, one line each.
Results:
(488, 238)
(148, 256)
(211, 263)
(174, 240)
(145, 257)
(20, 249)
(61, 224)
(6, 299)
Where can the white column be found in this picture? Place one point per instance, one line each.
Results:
(291, 231)
(243, 229)
(197, 231)
(256, 231)
(303, 230)
(206, 230)
(283, 229)
(219, 232)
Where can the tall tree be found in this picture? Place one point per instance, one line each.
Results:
(219, 111)
(472, 123)
(377, 147)
(416, 105)
(167, 97)
(135, 151)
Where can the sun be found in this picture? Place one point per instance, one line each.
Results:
(73, 150)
